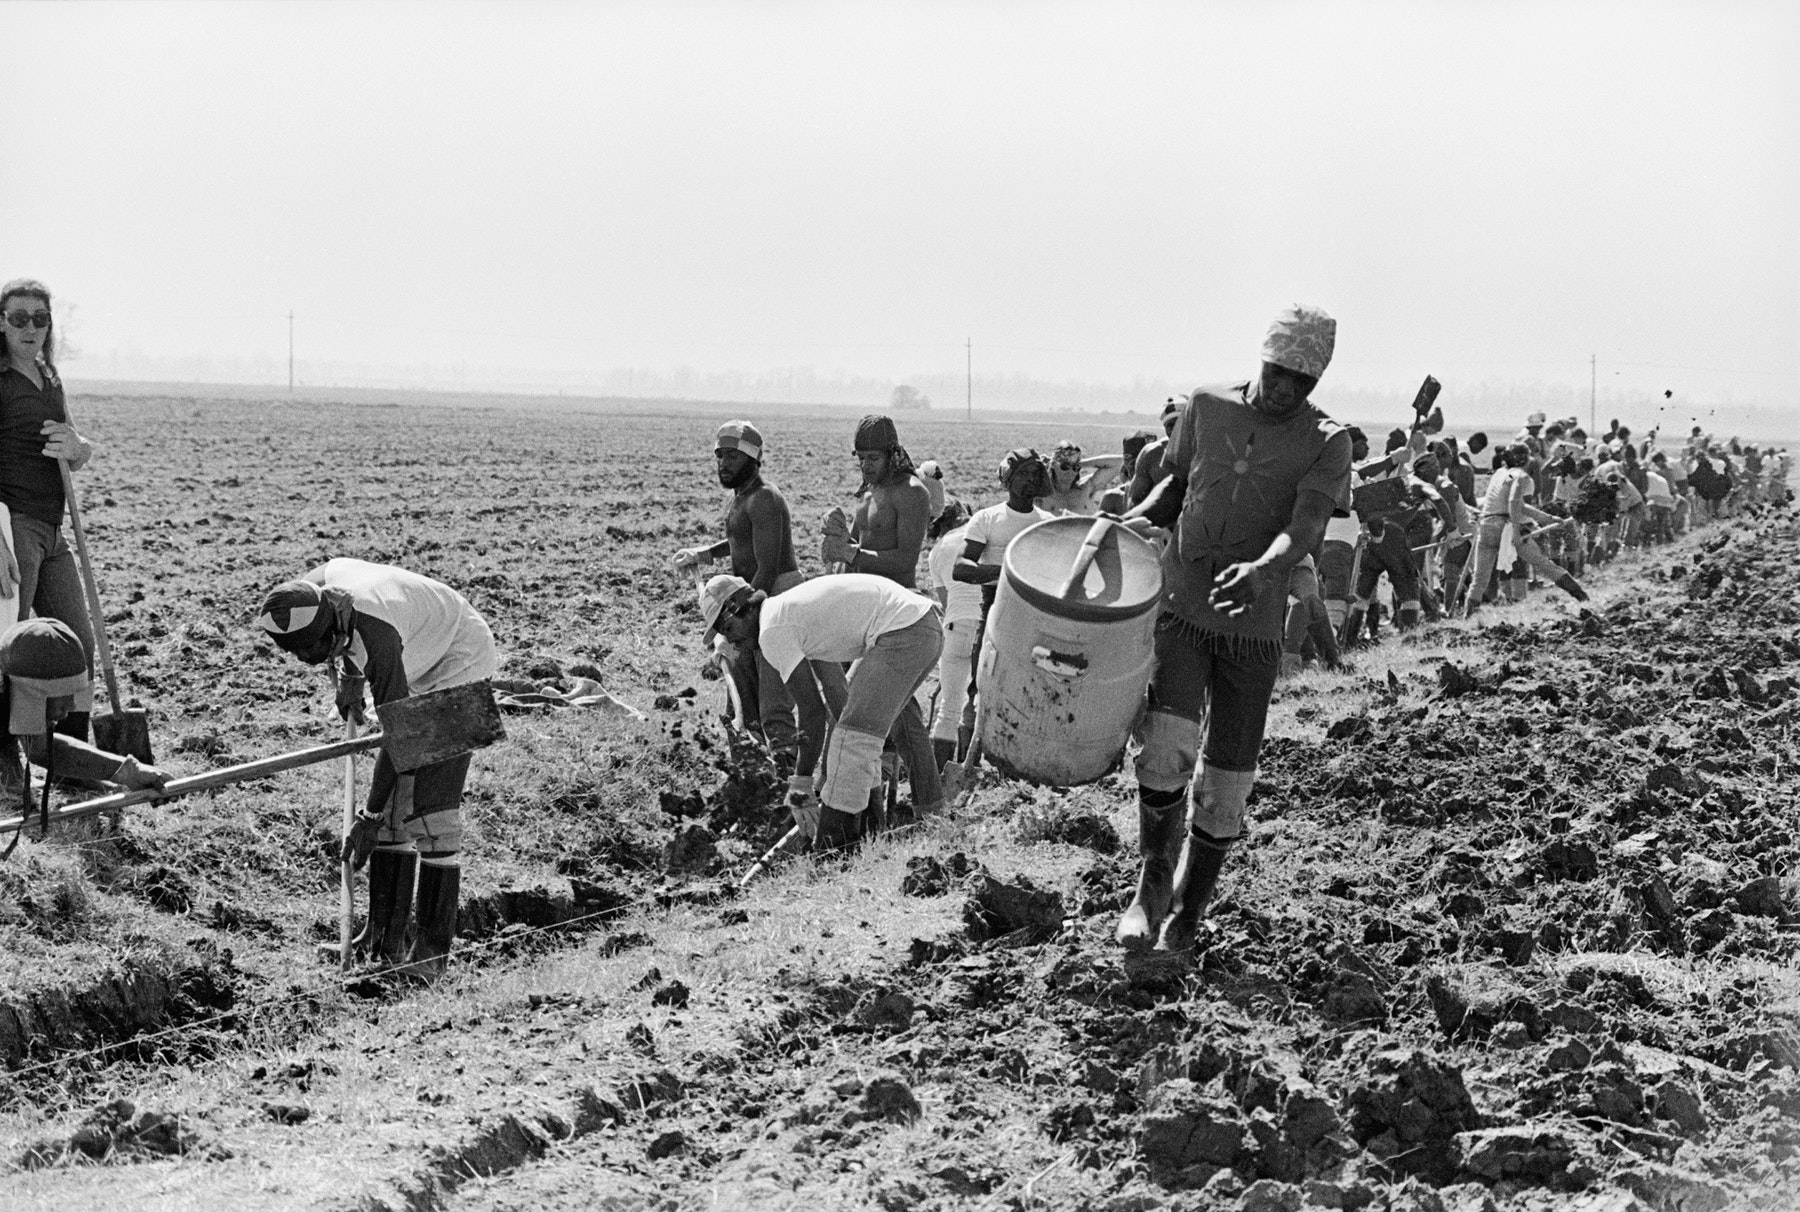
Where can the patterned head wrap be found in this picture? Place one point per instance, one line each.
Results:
(1013, 461)
(1301, 340)
(741, 435)
(43, 660)
(876, 432)
(932, 476)
(1066, 455)
(298, 614)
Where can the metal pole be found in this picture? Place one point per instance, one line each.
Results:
(290, 351)
(1593, 390)
(969, 399)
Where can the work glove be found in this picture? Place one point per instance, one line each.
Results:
(62, 442)
(134, 777)
(351, 688)
(689, 557)
(803, 804)
(360, 844)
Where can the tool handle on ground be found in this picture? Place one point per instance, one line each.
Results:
(346, 873)
(102, 650)
(1084, 559)
(756, 869)
(212, 779)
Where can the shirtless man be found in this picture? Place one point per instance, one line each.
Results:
(891, 520)
(759, 539)
(885, 539)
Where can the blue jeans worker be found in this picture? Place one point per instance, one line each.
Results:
(1254, 473)
(394, 633)
(893, 634)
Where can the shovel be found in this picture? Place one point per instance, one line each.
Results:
(346, 873)
(415, 732)
(127, 730)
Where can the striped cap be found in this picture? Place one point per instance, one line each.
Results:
(295, 614)
(741, 435)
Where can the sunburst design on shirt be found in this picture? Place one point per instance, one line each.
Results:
(1238, 471)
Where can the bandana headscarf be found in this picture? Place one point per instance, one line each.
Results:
(298, 614)
(741, 435)
(1012, 462)
(876, 432)
(1301, 340)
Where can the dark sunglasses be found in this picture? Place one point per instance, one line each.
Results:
(20, 318)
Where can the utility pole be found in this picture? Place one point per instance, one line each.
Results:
(1593, 391)
(290, 351)
(969, 399)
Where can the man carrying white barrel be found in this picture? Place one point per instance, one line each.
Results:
(807, 634)
(1255, 472)
(397, 634)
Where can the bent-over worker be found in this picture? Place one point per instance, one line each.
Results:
(401, 634)
(892, 633)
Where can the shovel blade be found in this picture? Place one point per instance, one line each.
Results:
(126, 733)
(429, 728)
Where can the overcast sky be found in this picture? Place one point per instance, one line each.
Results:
(1089, 191)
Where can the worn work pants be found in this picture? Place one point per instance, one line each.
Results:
(1389, 554)
(881, 700)
(761, 693)
(955, 668)
(1307, 614)
(1209, 695)
(1487, 554)
(423, 808)
(50, 587)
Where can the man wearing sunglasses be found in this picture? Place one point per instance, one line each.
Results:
(807, 635)
(397, 634)
(39, 567)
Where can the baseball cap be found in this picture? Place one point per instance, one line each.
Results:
(741, 435)
(714, 596)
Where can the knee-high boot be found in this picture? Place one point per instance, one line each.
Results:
(440, 893)
(1353, 625)
(1201, 863)
(1160, 818)
(382, 940)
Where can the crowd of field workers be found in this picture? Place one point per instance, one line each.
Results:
(1272, 529)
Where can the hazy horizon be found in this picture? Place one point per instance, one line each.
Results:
(817, 202)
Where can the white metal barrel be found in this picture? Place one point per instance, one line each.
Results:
(1068, 651)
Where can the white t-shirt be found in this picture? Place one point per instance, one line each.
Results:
(444, 642)
(998, 525)
(835, 618)
(1660, 493)
(1343, 530)
(963, 599)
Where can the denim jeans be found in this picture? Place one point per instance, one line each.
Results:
(50, 586)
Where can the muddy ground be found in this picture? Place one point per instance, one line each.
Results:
(1514, 927)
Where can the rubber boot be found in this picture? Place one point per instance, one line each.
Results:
(1374, 622)
(1353, 625)
(1290, 665)
(837, 830)
(440, 892)
(74, 724)
(1407, 617)
(943, 751)
(1159, 841)
(1194, 885)
(1569, 585)
(382, 941)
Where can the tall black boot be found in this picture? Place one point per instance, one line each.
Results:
(74, 724)
(1569, 585)
(943, 751)
(1200, 866)
(1160, 817)
(382, 941)
(837, 830)
(1353, 625)
(440, 893)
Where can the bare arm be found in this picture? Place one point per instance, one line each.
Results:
(969, 568)
(769, 528)
(1163, 505)
(813, 716)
